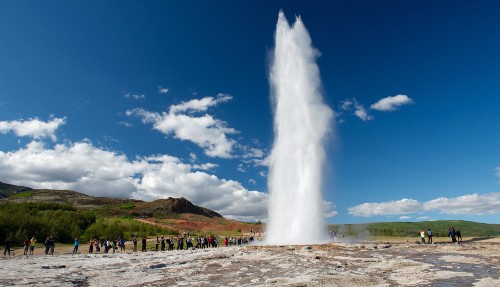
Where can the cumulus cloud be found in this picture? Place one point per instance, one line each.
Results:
(85, 168)
(391, 103)
(162, 90)
(467, 204)
(33, 128)
(205, 131)
(137, 97)
(403, 206)
(78, 166)
(470, 204)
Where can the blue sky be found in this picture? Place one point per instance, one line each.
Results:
(148, 100)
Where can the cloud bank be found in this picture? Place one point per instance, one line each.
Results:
(85, 168)
(471, 204)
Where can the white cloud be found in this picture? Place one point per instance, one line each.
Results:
(423, 218)
(355, 107)
(329, 209)
(137, 97)
(205, 131)
(497, 171)
(85, 168)
(125, 124)
(263, 174)
(391, 103)
(404, 217)
(200, 105)
(346, 105)
(254, 153)
(240, 168)
(252, 181)
(254, 157)
(205, 166)
(361, 113)
(162, 90)
(193, 156)
(467, 204)
(403, 206)
(470, 204)
(33, 128)
(78, 166)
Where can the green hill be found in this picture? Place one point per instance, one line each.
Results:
(410, 229)
(7, 190)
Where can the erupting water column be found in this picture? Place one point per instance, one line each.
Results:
(301, 124)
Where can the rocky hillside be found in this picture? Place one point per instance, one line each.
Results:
(111, 206)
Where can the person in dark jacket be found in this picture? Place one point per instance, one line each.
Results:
(6, 247)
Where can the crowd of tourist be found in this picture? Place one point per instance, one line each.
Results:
(181, 242)
(456, 235)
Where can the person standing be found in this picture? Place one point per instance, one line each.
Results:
(162, 243)
(115, 248)
(452, 234)
(422, 235)
(91, 246)
(26, 246)
(32, 245)
(47, 245)
(97, 246)
(52, 244)
(429, 235)
(134, 241)
(77, 243)
(122, 244)
(144, 248)
(459, 235)
(6, 247)
(157, 243)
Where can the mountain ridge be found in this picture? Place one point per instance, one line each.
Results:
(113, 206)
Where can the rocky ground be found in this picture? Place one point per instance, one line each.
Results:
(475, 263)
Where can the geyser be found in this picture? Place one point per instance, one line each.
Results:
(301, 124)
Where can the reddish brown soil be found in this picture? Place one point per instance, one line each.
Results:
(202, 224)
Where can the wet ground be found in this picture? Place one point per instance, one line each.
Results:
(336, 264)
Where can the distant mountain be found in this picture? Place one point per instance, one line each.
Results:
(111, 206)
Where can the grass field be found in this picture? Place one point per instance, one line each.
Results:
(410, 229)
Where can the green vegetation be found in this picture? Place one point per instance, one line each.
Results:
(124, 227)
(23, 194)
(24, 220)
(127, 206)
(410, 229)
(19, 221)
